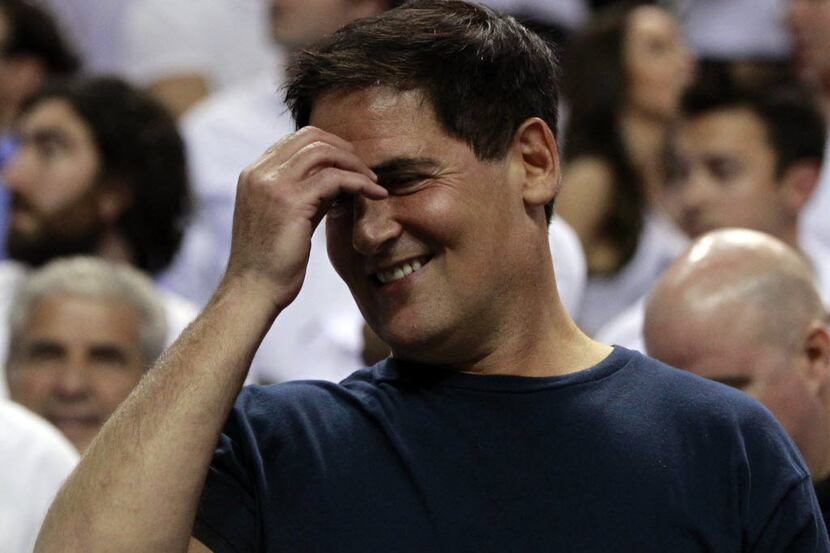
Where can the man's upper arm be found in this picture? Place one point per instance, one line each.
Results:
(195, 546)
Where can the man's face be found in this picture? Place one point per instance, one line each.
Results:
(809, 23)
(77, 359)
(53, 182)
(299, 23)
(729, 349)
(450, 219)
(724, 175)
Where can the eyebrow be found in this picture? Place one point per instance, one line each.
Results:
(399, 165)
(43, 136)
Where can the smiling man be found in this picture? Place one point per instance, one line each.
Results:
(82, 333)
(426, 134)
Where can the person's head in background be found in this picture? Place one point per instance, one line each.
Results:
(744, 158)
(298, 23)
(82, 332)
(99, 169)
(624, 74)
(809, 23)
(741, 307)
(32, 50)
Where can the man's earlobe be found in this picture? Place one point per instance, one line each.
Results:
(537, 152)
(817, 354)
(114, 199)
(798, 183)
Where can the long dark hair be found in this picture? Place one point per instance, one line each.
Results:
(594, 84)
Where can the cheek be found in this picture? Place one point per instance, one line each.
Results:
(339, 243)
(111, 389)
(30, 387)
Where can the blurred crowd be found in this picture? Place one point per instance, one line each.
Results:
(124, 126)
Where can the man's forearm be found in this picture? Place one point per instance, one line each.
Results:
(138, 485)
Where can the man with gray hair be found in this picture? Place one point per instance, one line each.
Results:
(82, 333)
(741, 307)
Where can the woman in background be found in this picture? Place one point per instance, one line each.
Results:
(624, 75)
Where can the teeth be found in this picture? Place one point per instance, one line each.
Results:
(397, 273)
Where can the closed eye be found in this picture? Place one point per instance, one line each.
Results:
(402, 183)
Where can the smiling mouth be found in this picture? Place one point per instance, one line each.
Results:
(401, 270)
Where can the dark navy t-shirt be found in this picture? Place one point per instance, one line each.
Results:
(629, 455)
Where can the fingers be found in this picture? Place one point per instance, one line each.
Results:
(289, 145)
(318, 155)
(315, 163)
(332, 182)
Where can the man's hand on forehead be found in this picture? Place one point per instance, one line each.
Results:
(282, 197)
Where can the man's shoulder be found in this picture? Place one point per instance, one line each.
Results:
(681, 394)
(305, 398)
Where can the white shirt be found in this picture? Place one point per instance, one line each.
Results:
(733, 29)
(627, 329)
(95, 29)
(225, 40)
(179, 312)
(606, 297)
(814, 222)
(35, 459)
(568, 13)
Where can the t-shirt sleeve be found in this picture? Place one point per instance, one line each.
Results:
(796, 525)
(227, 519)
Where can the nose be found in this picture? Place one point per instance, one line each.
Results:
(694, 190)
(72, 382)
(375, 226)
(16, 171)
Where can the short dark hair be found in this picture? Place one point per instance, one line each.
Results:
(34, 32)
(139, 146)
(483, 73)
(795, 128)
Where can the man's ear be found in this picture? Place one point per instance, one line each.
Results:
(537, 160)
(114, 198)
(816, 352)
(797, 184)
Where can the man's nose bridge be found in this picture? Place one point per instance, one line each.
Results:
(373, 223)
(73, 375)
(19, 168)
(372, 215)
(697, 184)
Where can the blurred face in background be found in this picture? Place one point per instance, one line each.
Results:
(724, 175)
(299, 23)
(809, 23)
(658, 65)
(76, 360)
(52, 178)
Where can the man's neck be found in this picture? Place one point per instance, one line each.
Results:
(114, 247)
(536, 337)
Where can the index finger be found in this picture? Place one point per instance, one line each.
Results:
(296, 141)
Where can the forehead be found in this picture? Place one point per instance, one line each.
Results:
(716, 346)
(646, 21)
(54, 115)
(733, 130)
(383, 123)
(77, 318)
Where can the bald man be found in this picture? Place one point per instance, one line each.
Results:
(741, 307)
